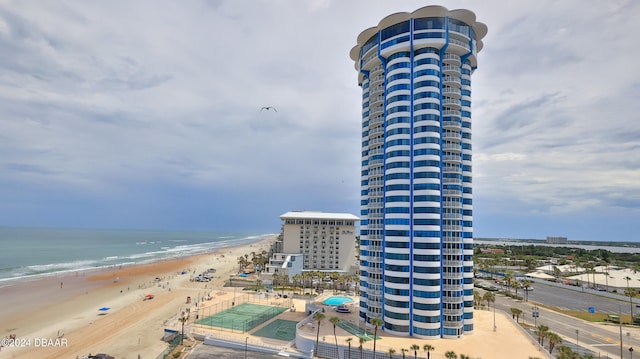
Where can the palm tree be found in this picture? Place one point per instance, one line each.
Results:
(631, 293)
(428, 348)
(296, 280)
(318, 316)
(515, 312)
(415, 348)
(542, 331)
(376, 322)
(516, 285)
(451, 355)
(508, 281)
(361, 340)
(334, 321)
(489, 297)
(567, 353)
(275, 280)
(477, 299)
(348, 340)
(404, 351)
(526, 284)
(391, 352)
(182, 320)
(553, 340)
(557, 272)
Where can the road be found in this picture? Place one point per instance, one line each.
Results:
(603, 339)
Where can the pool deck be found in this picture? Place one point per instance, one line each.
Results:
(509, 341)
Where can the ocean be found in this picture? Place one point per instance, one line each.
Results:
(30, 253)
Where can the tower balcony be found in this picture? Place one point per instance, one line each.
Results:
(376, 111)
(451, 251)
(377, 79)
(376, 141)
(455, 113)
(452, 136)
(460, 44)
(453, 312)
(451, 81)
(449, 125)
(452, 169)
(451, 92)
(452, 147)
(456, 159)
(452, 204)
(453, 239)
(376, 90)
(452, 287)
(376, 131)
(452, 228)
(451, 263)
(452, 59)
(451, 70)
(453, 324)
(451, 103)
(452, 276)
(375, 205)
(452, 216)
(380, 69)
(376, 162)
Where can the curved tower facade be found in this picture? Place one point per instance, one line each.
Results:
(416, 239)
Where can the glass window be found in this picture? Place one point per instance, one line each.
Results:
(394, 30)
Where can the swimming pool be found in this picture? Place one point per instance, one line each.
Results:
(337, 300)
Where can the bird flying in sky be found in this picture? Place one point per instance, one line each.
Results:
(268, 108)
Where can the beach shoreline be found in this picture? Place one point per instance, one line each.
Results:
(63, 310)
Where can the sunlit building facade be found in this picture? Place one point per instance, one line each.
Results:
(416, 248)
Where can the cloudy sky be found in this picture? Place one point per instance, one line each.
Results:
(146, 114)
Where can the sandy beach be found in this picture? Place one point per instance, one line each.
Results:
(59, 316)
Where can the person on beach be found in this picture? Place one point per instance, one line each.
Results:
(60, 285)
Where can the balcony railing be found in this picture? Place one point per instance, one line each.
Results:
(450, 158)
(451, 91)
(459, 43)
(452, 147)
(455, 170)
(457, 181)
(452, 59)
(451, 80)
(448, 69)
(452, 204)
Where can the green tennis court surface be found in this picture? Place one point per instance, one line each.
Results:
(278, 329)
(242, 317)
(356, 330)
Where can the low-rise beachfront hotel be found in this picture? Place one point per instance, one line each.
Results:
(327, 241)
(416, 246)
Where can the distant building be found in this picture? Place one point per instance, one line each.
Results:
(284, 265)
(327, 241)
(556, 240)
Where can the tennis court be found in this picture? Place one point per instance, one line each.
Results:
(278, 329)
(356, 330)
(243, 317)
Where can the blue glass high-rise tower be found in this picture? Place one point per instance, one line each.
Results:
(416, 239)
